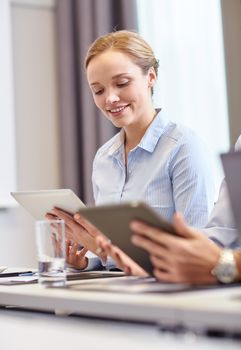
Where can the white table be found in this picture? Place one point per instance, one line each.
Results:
(29, 330)
(220, 304)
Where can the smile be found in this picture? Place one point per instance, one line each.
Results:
(117, 110)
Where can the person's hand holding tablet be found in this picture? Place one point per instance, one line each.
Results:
(122, 260)
(79, 232)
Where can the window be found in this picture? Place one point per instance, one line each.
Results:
(187, 38)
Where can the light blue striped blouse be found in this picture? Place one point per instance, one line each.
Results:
(168, 169)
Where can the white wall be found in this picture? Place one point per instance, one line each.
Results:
(188, 41)
(36, 116)
(7, 134)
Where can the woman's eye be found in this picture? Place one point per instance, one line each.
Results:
(98, 92)
(124, 83)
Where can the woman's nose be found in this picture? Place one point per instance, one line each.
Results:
(112, 97)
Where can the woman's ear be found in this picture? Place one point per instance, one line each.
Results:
(151, 77)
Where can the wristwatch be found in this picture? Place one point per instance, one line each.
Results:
(226, 270)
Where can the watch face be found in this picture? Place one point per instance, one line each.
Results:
(226, 269)
(226, 273)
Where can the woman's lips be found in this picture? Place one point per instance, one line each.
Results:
(117, 110)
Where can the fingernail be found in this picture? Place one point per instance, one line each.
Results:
(99, 250)
(134, 224)
(76, 216)
(133, 238)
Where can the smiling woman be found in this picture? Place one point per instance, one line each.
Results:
(151, 159)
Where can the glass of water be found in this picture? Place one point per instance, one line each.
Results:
(50, 239)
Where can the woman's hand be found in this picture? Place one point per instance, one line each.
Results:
(123, 261)
(76, 256)
(78, 230)
(188, 257)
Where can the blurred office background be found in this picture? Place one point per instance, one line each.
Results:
(49, 126)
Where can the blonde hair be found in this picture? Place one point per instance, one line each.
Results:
(127, 42)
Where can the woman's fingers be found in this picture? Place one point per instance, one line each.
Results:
(71, 253)
(100, 240)
(51, 216)
(75, 256)
(104, 245)
(67, 244)
(122, 260)
(69, 235)
(68, 219)
(75, 231)
(86, 224)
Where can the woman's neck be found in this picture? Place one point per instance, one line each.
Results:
(134, 133)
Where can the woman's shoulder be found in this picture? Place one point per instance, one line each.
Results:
(177, 133)
(181, 134)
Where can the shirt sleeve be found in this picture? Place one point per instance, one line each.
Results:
(192, 181)
(94, 263)
(221, 227)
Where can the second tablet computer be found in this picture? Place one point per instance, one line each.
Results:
(114, 220)
(38, 203)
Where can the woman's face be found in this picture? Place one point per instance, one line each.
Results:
(120, 89)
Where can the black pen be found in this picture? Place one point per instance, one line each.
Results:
(14, 274)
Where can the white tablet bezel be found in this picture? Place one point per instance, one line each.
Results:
(38, 203)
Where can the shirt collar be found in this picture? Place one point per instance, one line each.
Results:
(154, 132)
(118, 143)
(150, 138)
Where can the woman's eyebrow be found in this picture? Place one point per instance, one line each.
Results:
(95, 83)
(117, 76)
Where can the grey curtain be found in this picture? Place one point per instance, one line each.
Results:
(82, 128)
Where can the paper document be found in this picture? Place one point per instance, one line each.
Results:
(18, 280)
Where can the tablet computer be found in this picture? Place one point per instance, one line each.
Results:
(38, 203)
(114, 221)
